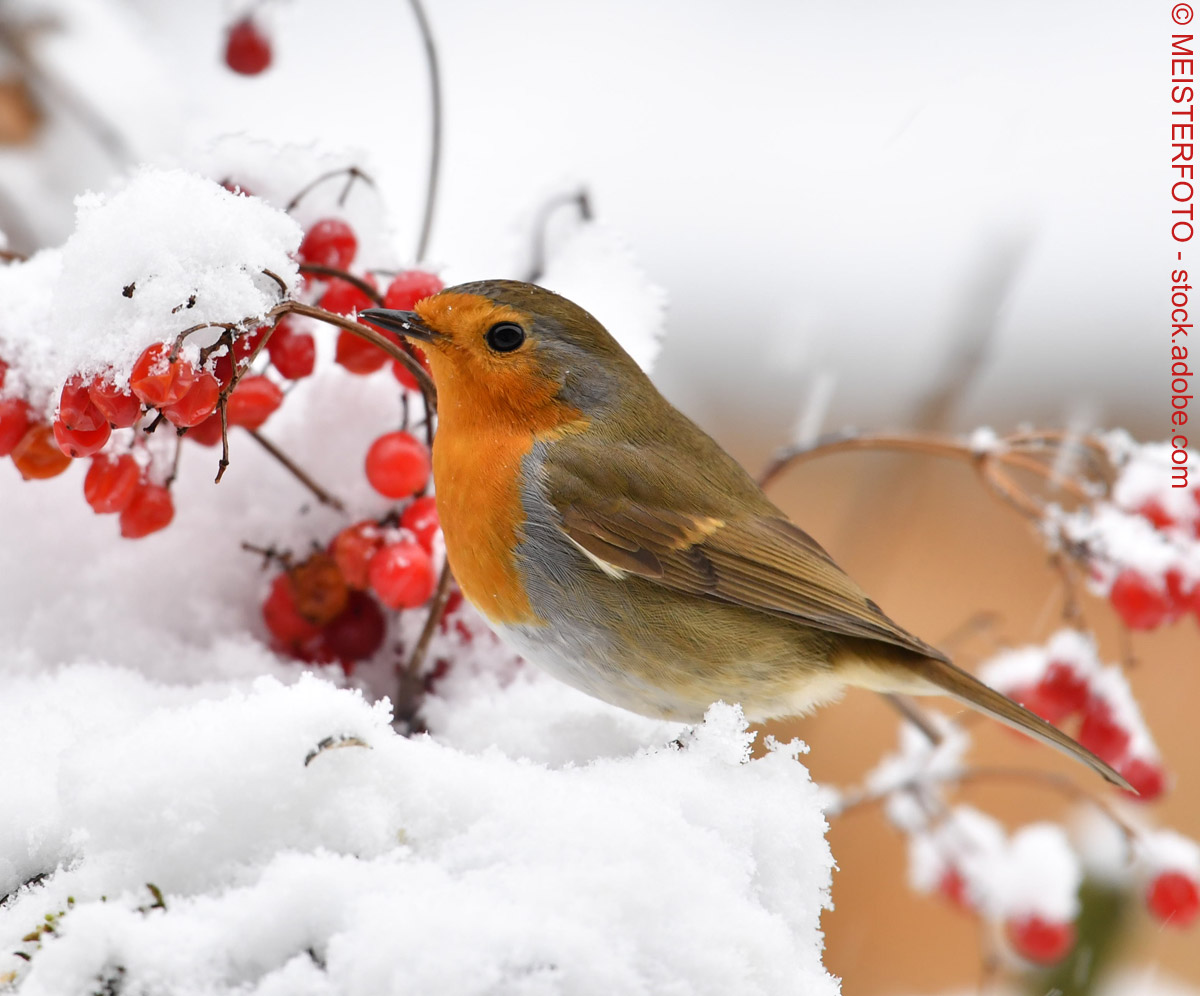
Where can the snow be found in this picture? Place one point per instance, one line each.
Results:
(1035, 871)
(594, 268)
(968, 841)
(408, 862)
(1165, 850)
(188, 251)
(1040, 875)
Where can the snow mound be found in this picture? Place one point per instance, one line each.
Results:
(402, 865)
(178, 250)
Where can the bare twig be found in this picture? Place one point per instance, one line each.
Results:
(914, 714)
(436, 607)
(352, 173)
(323, 496)
(537, 264)
(316, 269)
(371, 335)
(1047, 779)
(435, 131)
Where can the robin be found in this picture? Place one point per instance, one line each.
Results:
(609, 540)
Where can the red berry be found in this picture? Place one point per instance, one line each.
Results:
(222, 369)
(149, 510)
(353, 549)
(357, 355)
(1044, 942)
(253, 401)
(1154, 512)
(1061, 691)
(117, 404)
(1174, 898)
(282, 619)
(330, 242)
(1138, 601)
(318, 589)
(157, 379)
(403, 374)
(198, 404)
(110, 483)
(37, 455)
(344, 298)
(407, 288)
(77, 410)
(1101, 733)
(15, 420)
(422, 519)
(293, 353)
(3, 372)
(236, 188)
(247, 48)
(208, 432)
(397, 465)
(358, 632)
(1147, 777)
(402, 575)
(80, 442)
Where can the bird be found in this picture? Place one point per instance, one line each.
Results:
(612, 542)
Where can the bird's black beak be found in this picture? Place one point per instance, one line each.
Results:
(407, 323)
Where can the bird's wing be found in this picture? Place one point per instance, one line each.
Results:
(753, 557)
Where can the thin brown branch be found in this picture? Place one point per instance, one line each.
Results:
(283, 287)
(435, 127)
(437, 606)
(791, 456)
(914, 714)
(351, 172)
(371, 335)
(323, 496)
(316, 269)
(582, 203)
(1046, 779)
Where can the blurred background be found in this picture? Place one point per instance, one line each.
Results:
(920, 214)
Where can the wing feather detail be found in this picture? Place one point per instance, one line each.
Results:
(758, 559)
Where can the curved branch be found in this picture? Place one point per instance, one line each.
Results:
(435, 136)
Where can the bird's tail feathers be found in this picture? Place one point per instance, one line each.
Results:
(929, 676)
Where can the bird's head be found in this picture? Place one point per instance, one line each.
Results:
(508, 350)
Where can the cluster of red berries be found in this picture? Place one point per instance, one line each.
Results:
(1064, 691)
(1172, 896)
(184, 394)
(1144, 601)
(328, 608)
(187, 394)
(332, 243)
(114, 484)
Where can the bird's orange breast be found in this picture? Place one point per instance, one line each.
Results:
(479, 505)
(477, 465)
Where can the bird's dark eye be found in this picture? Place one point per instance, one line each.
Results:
(504, 337)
